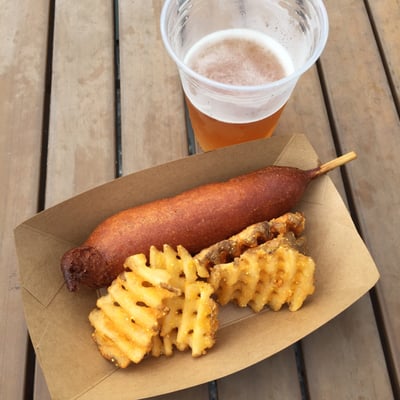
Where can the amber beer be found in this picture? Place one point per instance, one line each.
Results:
(242, 58)
(212, 133)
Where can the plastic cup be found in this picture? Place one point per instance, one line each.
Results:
(239, 61)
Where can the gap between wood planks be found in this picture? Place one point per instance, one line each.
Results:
(30, 362)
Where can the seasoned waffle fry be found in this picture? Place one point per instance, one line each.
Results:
(252, 236)
(107, 347)
(272, 274)
(179, 264)
(163, 345)
(289, 222)
(191, 321)
(127, 317)
(199, 319)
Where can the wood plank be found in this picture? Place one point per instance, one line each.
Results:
(273, 378)
(344, 359)
(81, 131)
(22, 62)
(357, 89)
(196, 392)
(153, 124)
(81, 142)
(386, 16)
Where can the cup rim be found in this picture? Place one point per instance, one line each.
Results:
(250, 88)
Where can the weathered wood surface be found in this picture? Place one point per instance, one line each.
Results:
(152, 114)
(22, 66)
(366, 120)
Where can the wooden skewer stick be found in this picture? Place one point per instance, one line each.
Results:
(337, 162)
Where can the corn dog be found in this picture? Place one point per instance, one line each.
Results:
(194, 219)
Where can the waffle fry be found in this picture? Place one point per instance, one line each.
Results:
(127, 317)
(191, 321)
(199, 319)
(272, 274)
(250, 237)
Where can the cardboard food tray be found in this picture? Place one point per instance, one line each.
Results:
(58, 320)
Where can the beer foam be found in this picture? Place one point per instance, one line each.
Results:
(241, 57)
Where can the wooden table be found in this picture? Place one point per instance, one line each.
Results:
(88, 93)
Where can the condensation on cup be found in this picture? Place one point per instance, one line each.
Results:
(239, 61)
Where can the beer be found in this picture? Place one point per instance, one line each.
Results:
(212, 133)
(243, 58)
